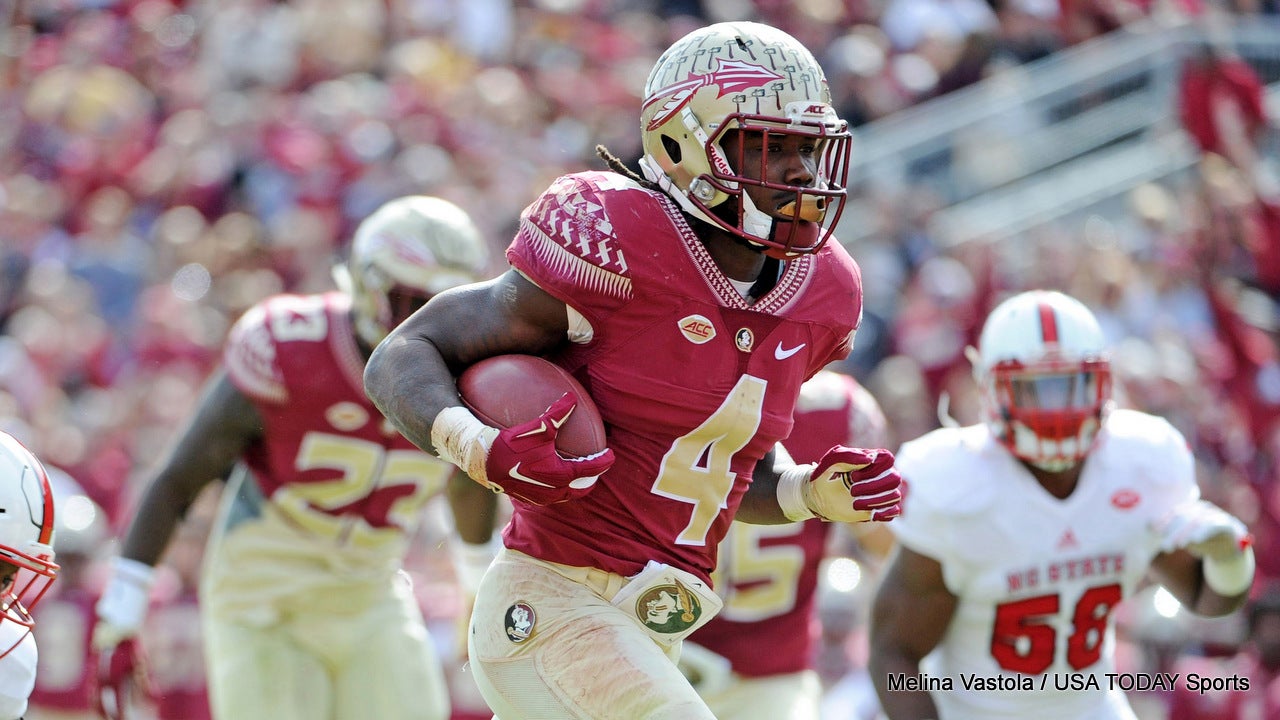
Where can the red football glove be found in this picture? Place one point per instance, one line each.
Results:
(855, 485)
(121, 673)
(524, 464)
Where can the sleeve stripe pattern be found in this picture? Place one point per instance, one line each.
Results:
(567, 265)
(256, 377)
(250, 357)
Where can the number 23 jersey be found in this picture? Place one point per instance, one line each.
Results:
(695, 383)
(1038, 577)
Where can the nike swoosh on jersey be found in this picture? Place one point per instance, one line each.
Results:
(515, 473)
(781, 354)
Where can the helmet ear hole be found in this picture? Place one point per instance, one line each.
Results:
(672, 147)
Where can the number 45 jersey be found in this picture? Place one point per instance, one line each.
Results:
(1037, 577)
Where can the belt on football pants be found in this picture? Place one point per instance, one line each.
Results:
(603, 583)
(667, 603)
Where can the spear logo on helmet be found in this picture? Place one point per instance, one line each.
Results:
(731, 76)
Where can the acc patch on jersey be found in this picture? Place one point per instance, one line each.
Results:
(668, 609)
(519, 622)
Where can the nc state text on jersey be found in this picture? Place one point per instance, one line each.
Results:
(1094, 566)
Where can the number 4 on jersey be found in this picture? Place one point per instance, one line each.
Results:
(696, 469)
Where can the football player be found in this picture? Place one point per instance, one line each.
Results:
(306, 612)
(27, 568)
(768, 577)
(1019, 536)
(692, 303)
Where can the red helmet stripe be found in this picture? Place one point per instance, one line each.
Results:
(1048, 323)
(46, 531)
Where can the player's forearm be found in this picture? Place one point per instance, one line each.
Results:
(157, 517)
(474, 508)
(409, 382)
(889, 672)
(1212, 602)
(761, 510)
(760, 503)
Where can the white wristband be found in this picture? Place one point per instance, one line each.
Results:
(791, 495)
(123, 605)
(471, 561)
(460, 438)
(1230, 577)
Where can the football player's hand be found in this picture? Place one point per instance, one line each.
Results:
(121, 673)
(123, 605)
(524, 464)
(854, 485)
(1204, 530)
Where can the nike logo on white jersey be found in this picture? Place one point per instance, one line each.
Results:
(515, 473)
(782, 354)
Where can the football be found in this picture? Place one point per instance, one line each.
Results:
(507, 390)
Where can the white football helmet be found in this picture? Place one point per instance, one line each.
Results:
(26, 536)
(408, 250)
(755, 78)
(1045, 377)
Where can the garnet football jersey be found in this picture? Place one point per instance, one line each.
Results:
(695, 383)
(334, 491)
(768, 574)
(66, 675)
(174, 644)
(1038, 577)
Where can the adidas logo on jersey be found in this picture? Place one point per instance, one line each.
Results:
(1068, 541)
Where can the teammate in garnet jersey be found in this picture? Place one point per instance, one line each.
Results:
(1019, 536)
(768, 578)
(306, 613)
(692, 304)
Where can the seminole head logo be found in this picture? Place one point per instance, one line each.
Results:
(668, 608)
(729, 76)
(519, 622)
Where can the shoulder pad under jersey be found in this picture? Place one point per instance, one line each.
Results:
(1154, 449)
(575, 233)
(951, 471)
(250, 356)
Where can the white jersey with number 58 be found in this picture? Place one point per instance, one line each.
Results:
(1037, 577)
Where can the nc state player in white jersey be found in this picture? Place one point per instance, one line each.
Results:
(1020, 536)
(692, 305)
(305, 612)
(26, 568)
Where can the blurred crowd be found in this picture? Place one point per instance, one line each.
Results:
(166, 163)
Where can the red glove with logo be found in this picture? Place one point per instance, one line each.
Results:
(868, 476)
(121, 672)
(846, 485)
(524, 464)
